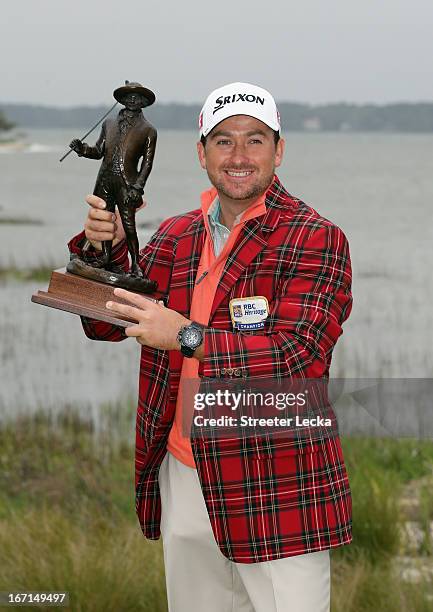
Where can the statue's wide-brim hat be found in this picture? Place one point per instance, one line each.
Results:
(133, 87)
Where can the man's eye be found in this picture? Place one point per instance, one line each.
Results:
(223, 141)
(256, 141)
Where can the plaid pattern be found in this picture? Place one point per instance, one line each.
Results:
(266, 500)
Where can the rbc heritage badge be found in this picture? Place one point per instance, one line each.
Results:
(249, 312)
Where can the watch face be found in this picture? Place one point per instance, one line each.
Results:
(191, 337)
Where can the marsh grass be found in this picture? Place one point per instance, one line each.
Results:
(101, 561)
(67, 519)
(378, 469)
(20, 221)
(426, 517)
(358, 585)
(40, 273)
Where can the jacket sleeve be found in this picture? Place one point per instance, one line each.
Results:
(119, 253)
(304, 322)
(100, 330)
(156, 262)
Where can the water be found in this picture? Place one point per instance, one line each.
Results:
(377, 187)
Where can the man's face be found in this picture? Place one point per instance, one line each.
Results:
(133, 101)
(240, 157)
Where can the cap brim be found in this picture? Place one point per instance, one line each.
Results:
(276, 128)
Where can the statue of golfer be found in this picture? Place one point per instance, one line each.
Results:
(127, 146)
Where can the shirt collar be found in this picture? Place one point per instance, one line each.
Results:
(213, 214)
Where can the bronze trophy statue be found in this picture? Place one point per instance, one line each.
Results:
(126, 146)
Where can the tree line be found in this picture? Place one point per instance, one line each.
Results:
(5, 125)
(398, 117)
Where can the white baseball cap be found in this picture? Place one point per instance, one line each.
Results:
(238, 99)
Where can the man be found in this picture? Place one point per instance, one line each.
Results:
(247, 524)
(127, 145)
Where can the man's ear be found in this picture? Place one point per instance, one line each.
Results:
(279, 152)
(201, 154)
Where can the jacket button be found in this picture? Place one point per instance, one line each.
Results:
(237, 372)
(223, 371)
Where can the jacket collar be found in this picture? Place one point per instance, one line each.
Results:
(277, 200)
(252, 240)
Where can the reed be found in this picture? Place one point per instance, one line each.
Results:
(67, 519)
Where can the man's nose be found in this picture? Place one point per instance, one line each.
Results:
(239, 153)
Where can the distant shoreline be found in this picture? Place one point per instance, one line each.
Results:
(296, 117)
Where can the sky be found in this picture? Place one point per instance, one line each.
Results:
(67, 53)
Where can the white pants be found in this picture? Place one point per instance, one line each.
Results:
(199, 578)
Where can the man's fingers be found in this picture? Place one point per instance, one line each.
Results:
(98, 231)
(136, 299)
(100, 226)
(124, 309)
(95, 201)
(99, 236)
(102, 215)
(133, 331)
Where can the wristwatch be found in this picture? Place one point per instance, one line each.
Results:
(190, 337)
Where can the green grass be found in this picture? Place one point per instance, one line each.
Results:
(361, 586)
(100, 560)
(67, 520)
(405, 458)
(19, 221)
(40, 273)
(378, 470)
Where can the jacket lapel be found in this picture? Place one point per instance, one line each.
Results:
(252, 240)
(185, 265)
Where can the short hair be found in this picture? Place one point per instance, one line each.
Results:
(277, 137)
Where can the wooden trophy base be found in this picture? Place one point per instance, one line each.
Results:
(83, 297)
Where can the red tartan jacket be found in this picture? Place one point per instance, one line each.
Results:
(266, 500)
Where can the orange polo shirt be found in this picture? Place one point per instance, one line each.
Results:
(201, 306)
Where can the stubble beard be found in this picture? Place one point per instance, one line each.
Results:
(256, 190)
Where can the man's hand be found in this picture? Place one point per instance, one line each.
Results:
(156, 327)
(102, 224)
